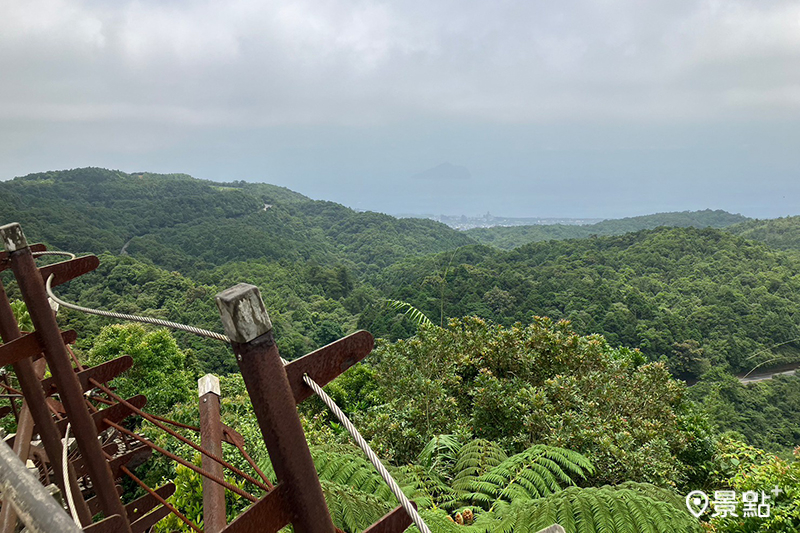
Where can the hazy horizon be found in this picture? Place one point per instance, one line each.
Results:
(577, 109)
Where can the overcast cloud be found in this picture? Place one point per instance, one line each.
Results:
(572, 108)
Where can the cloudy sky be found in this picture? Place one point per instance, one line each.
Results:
(519, 107)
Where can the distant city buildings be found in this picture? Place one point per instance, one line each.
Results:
(488, 220)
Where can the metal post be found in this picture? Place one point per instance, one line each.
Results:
(250, 330)
(31, 501)
(28, 374)
(211, 440)
(33, 292)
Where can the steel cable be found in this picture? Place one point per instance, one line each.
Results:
(351, 429)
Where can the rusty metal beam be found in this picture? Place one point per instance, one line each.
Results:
(94, 502)
(101, 373)
(112, 524)
(33, 292)
(395, 521)
(144, 524)
(5, 260)
(211, 440)
(28, 345)
(250, 330)
(79, 464)
(69, 270)
(325, 364)
(28, 374)
(131, 460)
(140, 507)
(116, 413)
(267, 515)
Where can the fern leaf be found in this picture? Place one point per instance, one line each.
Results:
(410, 311)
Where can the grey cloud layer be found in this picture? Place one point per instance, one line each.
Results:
(251, 63)
(570, 108)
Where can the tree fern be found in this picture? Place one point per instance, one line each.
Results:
(537, 472)
(620, 509)
(352, 510)
(440, 454)
(346, 466)
(474, 459)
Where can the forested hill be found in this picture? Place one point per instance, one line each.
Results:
(498, 381)
(186, 224)
(507, 238)
(779, 233)
(694, 297)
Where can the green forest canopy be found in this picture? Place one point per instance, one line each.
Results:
(644, 302)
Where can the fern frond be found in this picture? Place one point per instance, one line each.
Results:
(346, 466)
(414, 314)
(628, 509)
(440, 454)
(426, 487)
(475, 459)
(534, 473)
(352, 510)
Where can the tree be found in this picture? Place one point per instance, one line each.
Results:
(159, 366)
(535, 384)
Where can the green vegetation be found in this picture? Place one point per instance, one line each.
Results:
(780, 233)
(491, 416)
(693, 298)
(508, 238)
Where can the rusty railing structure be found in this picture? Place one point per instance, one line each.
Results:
(76, 400)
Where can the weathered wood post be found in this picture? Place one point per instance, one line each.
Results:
(248, 326)
(211, 440)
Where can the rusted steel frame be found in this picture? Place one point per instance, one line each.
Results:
(117, 412)
(250, 330)
(176, 424)
(269, 515)
(327, 363)
(395, 521)
(30, 499)
(11, 389)
(94, 503)
(180, 437)
(161, 500)
(28, 374)
(141, 506)
(131, 459)
(184, 462)
(112, 524)
(145, 523)
(254, 465)
(67, 270)
(275, 408)
(75, 360)
(80, 465)
(4, 259)
(211, 440)
(13, 407)
(33, 292)
(27, 346)
(103, 373)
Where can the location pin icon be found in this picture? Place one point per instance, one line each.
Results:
(697, 502)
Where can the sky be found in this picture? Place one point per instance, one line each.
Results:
(600, 109)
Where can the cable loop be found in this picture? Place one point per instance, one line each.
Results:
(351, 429)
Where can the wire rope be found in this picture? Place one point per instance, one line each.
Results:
(329, 402)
